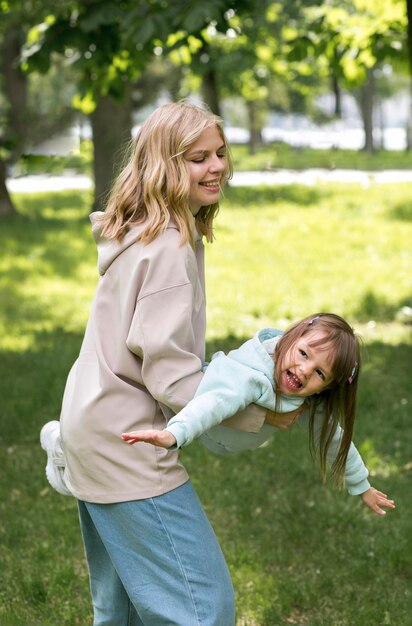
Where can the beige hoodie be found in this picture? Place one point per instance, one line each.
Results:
(143, 349)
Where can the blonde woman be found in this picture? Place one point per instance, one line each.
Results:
(152, 554)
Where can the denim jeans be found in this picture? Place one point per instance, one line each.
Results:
(156, 562)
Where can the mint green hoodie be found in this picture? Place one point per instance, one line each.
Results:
(234, 381)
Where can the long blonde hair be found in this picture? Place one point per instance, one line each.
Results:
(338, 400)
(154, 185)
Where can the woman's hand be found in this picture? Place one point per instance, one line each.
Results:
(375, 499)
(161, 438)
(283, 420)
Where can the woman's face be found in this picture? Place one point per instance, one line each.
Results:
(306, 368)
(206, 160)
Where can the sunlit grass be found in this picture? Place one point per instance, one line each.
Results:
(47, 274)
(299, 552)
(280, 155)
(335, 248)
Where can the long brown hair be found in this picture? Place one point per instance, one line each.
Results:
(154, 185)
(338, 400)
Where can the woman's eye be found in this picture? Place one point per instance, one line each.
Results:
(302, 352)
(321, 374)
(198, 160)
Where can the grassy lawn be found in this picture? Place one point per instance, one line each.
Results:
(279, 155)
(299, 552)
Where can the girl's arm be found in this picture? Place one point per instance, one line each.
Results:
(227, 387)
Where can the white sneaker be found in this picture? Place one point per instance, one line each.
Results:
(50, 442)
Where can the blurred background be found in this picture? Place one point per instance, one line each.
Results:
(316, 99)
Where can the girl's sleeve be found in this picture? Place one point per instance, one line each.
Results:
(356, 472)
(227, 387)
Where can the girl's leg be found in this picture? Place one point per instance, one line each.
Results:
(111, 603)
(168, 559)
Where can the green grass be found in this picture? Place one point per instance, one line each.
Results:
(280, 155)
(299, 552)
(81, 161)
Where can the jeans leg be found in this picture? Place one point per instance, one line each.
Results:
(111, 604)
(168, 559)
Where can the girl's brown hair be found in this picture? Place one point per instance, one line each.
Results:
(154, 185)
(338, 400)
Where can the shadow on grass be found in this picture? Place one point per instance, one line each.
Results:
(378, 309)
(32, 384)
(402, 211)
(45, 228)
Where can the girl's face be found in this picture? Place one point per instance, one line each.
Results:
(206, 160)
(306, 369)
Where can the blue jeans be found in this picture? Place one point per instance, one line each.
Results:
(156, 562)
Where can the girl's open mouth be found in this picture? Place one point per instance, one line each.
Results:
(292, 381)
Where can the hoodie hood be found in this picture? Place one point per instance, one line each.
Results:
(109, 249)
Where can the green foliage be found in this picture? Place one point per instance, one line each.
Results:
(299, 552)
(112, 42)
(349, 38)
(32, 108)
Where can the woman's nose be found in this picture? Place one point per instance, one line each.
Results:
(218, 164)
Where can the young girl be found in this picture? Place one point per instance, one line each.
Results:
(318, 361)
(152, 555)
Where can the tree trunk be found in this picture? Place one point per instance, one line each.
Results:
(409, 31)
(338, 96)
(409, 123)
(6, 205)
(111, 124)
(15, 90)
(255, 132)
(210, 91)
(381, 124)
(367, 96)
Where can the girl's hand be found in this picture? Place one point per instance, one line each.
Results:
(374, 499)
(161, 438)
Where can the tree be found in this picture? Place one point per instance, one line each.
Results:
(409, 34)
(23, 119)
(249, 61)
(351, 38)
(227, 63)
(14, 87)
(111, 42)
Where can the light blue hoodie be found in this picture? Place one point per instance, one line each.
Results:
(232, 382)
